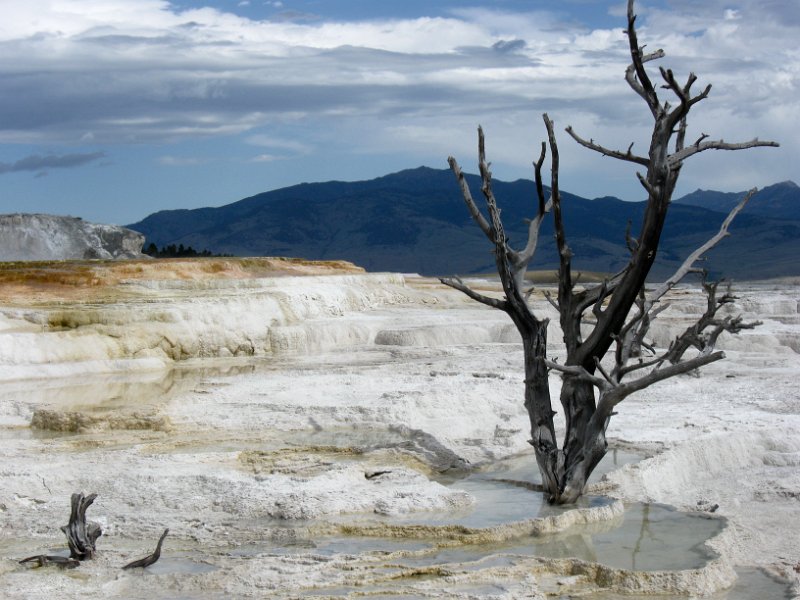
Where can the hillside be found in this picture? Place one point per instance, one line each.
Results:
(778, 201)
(415, 221)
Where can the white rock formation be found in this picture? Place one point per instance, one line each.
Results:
(51, 237)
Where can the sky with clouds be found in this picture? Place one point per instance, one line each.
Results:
(113, 109)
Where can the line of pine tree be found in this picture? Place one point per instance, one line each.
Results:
(179, 251)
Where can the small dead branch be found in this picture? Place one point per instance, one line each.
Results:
(151, 558)
(44, 560)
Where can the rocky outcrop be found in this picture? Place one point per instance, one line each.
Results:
(50, 237)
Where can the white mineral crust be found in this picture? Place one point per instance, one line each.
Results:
(340, 368)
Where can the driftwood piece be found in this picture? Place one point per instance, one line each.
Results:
(81, 535)
(150, 559)
(43, 560)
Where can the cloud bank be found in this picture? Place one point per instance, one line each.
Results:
(38, 163)
(120, 72)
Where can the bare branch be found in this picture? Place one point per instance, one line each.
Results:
(455, 282)
(537, 171)
(696, 335)
(62, 562)
(630, 72)
(688, 264)
(627, 156)
(150, 559)
(629, 340)
(604, 373)
(618, 393)
(681, 137)
(684, 95)
(635, 75)
(509, 267)
(589, 297)
(564, 253)
(700, 146)
(552, 302)
(636, 328)
(524, 257)
(476, 214)
(579, 372)
(631, 242)
(641, 364)
(701, 96)
(501, 246)
(731, 325)
(602, 294)
(645, 184)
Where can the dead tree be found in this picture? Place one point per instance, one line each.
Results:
(619, 310)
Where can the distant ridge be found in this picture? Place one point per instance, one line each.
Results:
(416, 221)
(778, 201)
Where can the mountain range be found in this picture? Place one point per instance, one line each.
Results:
(415, 221)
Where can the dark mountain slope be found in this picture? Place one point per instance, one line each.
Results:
(416, 221)
(778, 201)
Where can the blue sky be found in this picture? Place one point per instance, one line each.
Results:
(113, 109)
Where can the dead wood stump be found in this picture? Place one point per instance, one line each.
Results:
(81, 535)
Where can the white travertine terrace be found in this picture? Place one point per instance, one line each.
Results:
(227, 410)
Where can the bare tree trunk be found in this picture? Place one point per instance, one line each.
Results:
(564, 472)
(540, 413)
(584, 445)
